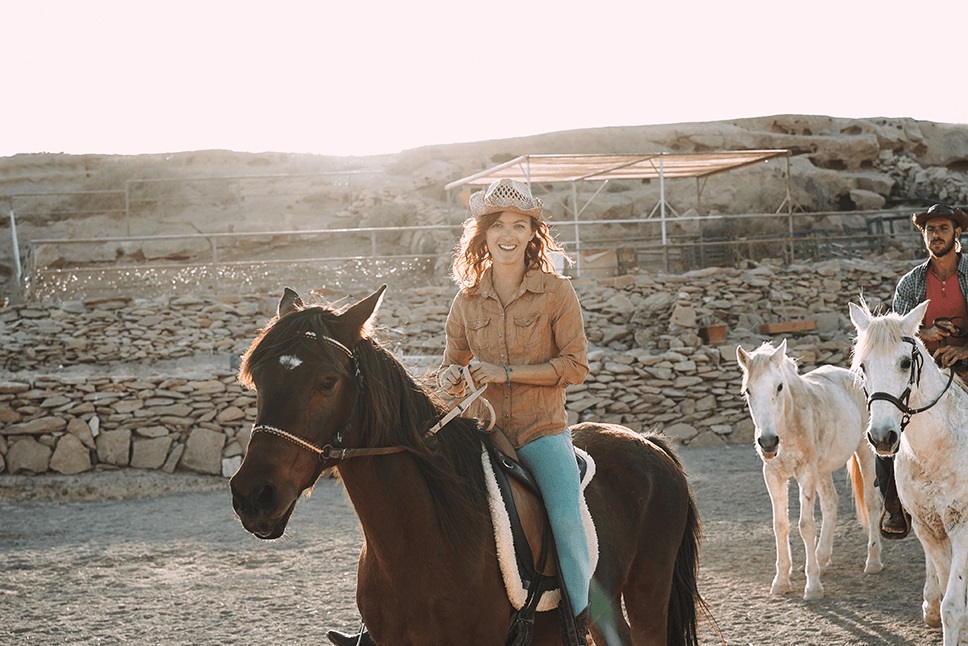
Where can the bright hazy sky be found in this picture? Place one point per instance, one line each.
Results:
(356, 77)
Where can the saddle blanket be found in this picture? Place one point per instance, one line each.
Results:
(517, 592)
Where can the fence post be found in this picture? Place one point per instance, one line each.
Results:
(19, 275)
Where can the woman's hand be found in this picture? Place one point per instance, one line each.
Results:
(451, 380)
(488, 373)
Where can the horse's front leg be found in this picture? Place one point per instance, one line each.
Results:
(829, 500)
(872, 504)
(776, 484)
(953, 606)
(936, 563)
(808, 532)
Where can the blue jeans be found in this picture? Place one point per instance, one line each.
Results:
(552, 461)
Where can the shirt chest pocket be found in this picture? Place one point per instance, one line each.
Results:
(526, 331)
(477, 334)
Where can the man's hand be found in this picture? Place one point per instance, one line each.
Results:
(934, 333)
(951, 354)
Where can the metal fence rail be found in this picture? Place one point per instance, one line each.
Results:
(344, 258)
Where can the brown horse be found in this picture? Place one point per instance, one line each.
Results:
(330, 396)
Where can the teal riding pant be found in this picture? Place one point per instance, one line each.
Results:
(552, 462)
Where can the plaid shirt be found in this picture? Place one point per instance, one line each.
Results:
(913, 287)
(541, 324)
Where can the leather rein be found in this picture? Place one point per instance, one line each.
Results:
(331, 452)
(914, 378)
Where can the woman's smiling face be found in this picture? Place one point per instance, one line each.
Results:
(508, 237)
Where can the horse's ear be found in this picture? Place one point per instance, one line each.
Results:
(859, 316)
(742, 357)
(359, 316)
(290, 302)
(781, 350)
(912, 320)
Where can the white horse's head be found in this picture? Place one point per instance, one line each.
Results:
(765, 374)
(889, 357)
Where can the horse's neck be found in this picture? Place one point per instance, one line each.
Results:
(391, 498)
(943, 428)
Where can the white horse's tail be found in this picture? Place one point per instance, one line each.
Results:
(857, 485)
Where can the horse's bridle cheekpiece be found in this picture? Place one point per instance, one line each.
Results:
(330, 452)
(914, 378)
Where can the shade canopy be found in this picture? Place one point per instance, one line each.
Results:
(574, 168)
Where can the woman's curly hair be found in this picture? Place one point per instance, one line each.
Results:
(472, 257)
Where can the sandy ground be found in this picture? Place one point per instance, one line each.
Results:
(144, 558)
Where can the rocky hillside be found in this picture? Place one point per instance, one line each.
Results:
(836, 165)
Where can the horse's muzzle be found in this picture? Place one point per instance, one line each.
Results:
(886, 444)
(258, 509)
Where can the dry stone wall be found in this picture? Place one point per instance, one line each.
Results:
(150, 384)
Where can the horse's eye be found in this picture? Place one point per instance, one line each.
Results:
(779, 387)
(326, 384)
(906, 363)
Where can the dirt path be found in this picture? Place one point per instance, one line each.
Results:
(179, 569)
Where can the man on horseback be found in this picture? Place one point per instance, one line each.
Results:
(942, 279)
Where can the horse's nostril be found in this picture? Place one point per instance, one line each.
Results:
(264, 497)
(892, 438)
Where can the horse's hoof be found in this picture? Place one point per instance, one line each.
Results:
(780, 587)
(873, 567)
(932, 616)
(812, 594)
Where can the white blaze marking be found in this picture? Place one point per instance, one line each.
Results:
(290, 361)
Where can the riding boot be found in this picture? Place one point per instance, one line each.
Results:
(895, 522)
(581, 626)
(342, 639)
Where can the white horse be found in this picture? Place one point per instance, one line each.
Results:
(806, 427)
(919, 415)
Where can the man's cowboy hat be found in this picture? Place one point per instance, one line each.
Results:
(959, 217)
(505, 195)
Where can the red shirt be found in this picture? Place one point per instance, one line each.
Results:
(947, 301)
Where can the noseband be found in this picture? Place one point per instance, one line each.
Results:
(914, 378)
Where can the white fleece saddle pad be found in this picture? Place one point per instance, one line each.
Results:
(517, 592)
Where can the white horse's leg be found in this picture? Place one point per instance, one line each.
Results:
(936, 566)
(953, 606)
(808, 532)
(777, 486)
(829, 499)
(872, 503)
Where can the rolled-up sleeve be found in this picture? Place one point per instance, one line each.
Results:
(457, 350)
(568, 328)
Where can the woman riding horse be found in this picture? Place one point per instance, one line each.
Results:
(522, 323)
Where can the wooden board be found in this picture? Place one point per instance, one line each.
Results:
(788, 326)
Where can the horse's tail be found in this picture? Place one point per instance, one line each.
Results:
(684, 600)
(857, 485)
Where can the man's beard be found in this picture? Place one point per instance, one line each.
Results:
(944, 250)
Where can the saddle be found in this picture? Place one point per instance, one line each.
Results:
(525, 546)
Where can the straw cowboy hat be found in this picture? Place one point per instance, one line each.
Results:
(505, 195)
(959, 217)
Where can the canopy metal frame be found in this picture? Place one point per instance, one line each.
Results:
(578, 168)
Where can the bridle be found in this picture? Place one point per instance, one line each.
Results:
(331, 452)
(914, 378)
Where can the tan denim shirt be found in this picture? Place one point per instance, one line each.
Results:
(542, 323)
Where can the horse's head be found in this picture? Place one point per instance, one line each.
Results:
(889, 357)
(766, 372)
(304, 371)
